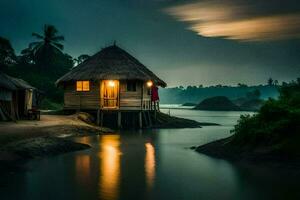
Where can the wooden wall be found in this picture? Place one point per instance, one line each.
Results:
(81, 100)
(128, 100)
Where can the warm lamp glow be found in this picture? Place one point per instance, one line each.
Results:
(149, 83)
(111, 83)
(83, 86)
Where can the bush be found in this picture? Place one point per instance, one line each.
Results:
(276, 121)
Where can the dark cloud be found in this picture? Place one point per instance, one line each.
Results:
(241, 20)
(178, 55)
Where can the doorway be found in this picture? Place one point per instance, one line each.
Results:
(109, 94)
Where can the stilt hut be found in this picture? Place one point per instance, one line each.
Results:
(17, 97)
(111, 81)
(7, 94)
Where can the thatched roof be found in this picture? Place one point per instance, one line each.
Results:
(111, 63)
(6, 82)
(21, 84)
(12, 83)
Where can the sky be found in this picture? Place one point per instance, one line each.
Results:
(184, 42)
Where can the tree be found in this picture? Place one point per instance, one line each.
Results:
(48, 45)
(49, 37)
(7, 53)
(27, 56)
(80, 59)
(270, 82)
(253, 95)
(242, 85)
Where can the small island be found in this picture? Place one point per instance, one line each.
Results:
(271, 135)
(218, 103)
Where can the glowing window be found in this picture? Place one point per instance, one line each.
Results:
(82, 86)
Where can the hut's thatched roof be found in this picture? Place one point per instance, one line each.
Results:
(21, 84)
(12, 83)
(111, 63)
(6, 82)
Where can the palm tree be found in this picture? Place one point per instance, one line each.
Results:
(7, 53)
(48, 47)
(49, 38)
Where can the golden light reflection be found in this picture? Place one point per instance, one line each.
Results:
(236, 20)
(83, 164)
(150, 164)
(84, 140)
(110, 167)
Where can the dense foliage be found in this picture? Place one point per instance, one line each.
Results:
(40, 64)
(277, 123)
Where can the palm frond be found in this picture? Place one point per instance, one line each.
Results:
(34, 44)
(37, 35)
(26, 51)
(58, 45)
(58, 38)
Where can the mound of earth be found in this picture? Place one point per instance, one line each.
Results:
(218, 103)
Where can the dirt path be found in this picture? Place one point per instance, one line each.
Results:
(23, 140)
(49, 125)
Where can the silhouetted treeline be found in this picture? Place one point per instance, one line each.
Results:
(193, 94)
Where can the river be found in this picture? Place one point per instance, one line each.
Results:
(156, 164)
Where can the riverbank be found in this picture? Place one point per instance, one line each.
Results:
(27, 139)
(23, 140)
(268, 156)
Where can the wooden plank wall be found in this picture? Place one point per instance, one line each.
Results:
(81, 100)
(130, 100)
(91, 99)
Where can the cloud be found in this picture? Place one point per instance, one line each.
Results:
(239, 20)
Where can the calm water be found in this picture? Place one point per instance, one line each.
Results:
(149, 165)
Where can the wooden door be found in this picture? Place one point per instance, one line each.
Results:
(109, 94)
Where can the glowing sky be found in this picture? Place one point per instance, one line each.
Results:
(184, 42)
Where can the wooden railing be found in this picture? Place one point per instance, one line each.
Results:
(150, 105)
(109, 103)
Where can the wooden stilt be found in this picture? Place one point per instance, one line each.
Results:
(119, 120)
(155, 112)
(101, 118)
(145, 119)
(98, 117)
(140, 120)
(150, 120)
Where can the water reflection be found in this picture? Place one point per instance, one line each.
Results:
(109, 179)
(149, 164)
(83, 168)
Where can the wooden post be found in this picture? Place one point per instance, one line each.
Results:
(119, 120)
(149, 117)
(101, 118)
(98, 117)
(140, 120)
(155, 112)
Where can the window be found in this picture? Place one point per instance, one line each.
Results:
(82, 86)
(131, 86)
